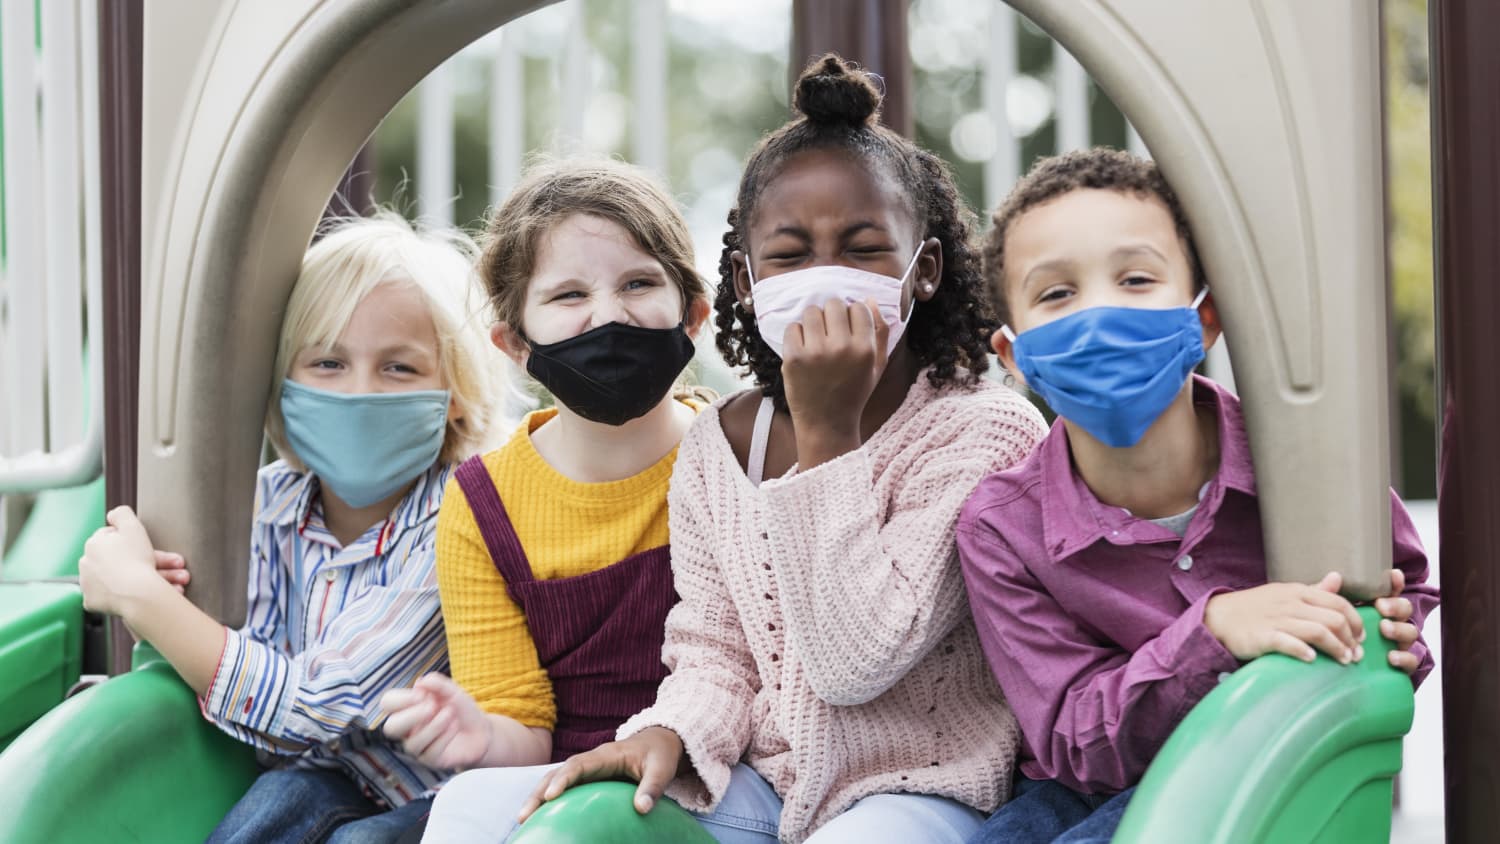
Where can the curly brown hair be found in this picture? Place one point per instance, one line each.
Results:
(1098, 168)
(838, 105)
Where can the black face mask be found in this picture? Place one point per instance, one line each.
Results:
(614, 373)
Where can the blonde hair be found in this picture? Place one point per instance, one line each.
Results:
(357, 255)
(550, 191)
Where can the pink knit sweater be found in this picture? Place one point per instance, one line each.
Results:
(823, 634)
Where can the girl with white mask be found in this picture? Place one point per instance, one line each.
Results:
(384, 382)
(826, 681)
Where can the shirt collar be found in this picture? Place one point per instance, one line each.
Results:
(1073, 518)
(292, 504)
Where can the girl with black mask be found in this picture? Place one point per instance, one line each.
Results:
(552, 551)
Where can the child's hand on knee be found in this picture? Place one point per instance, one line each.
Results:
(1288, 618)
(650, 757)
(1395, 624)
(438, 722)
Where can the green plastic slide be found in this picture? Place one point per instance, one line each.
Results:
(128, 760)
(51, 541)
(1282, 751)
(604, 813)
(41, 650)
(41, 623)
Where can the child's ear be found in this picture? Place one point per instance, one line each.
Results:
(697, 314)
(929, 272)
(1208, 313)
(738, 267)
(510, 341)
(1003, 350)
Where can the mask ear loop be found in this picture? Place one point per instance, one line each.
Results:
(910, 264)
(1198, 300)
(1009, 335)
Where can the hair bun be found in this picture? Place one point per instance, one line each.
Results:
(834, 92)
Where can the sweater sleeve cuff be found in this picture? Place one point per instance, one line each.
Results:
(701, 788)
(249, 686)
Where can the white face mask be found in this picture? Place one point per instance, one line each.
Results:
(781, 299)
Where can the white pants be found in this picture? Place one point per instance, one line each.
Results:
(481, 806)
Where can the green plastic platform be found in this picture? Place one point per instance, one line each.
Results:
(51, 541)
(1282, 751)
(604, 813)
(129, 760)
(41, 650)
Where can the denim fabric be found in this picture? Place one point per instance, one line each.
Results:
(299, 806)
(481, 805)
(1043, 811)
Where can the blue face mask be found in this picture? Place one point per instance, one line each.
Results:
(1112, 371)
(364, 447)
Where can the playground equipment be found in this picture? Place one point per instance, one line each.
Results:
(1266, 116)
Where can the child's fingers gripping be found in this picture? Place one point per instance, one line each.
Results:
(1403, 634)
(123, 519)
(170, 560)
(1282, 642)
(882, 329)
(1339, 604)
(1394, 609)
(1332, 582)
(658, 768)
(603, 762)
(1333, 619)
(1398, 581)
(1320, 637)
(1404, 661)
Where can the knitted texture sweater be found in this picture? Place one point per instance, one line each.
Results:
(823, 633)
(567, 528)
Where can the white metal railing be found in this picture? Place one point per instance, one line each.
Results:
(51, 424)
(650, 146)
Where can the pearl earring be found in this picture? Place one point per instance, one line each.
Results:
(748, 302)
(926, 287)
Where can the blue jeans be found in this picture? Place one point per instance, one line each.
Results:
(301, 806)
(1042, 811)
(480, 806)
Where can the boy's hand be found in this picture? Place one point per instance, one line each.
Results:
(1288, 618)
(438, 722)
(1395, 624)
(173, 569)
(650, 757)
(118, 564)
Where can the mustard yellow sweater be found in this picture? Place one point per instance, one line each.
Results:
(566, 528)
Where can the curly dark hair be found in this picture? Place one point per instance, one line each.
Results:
(1097, 168)
(839, 106)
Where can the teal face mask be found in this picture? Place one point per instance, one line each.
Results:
(365, 446)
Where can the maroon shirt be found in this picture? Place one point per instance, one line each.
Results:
(1092, 619)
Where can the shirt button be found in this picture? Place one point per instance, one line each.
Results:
(1186, 562)
(330, 575)
(1223, 675)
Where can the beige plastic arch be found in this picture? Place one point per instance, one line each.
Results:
(1265, 114)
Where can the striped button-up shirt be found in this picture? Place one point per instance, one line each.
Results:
(328, 630)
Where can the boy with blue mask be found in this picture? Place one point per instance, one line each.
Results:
(385, 381)
(1118, 573)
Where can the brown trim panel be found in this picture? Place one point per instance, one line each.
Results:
(870, 32)
(120, 55)
(1466, 218)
